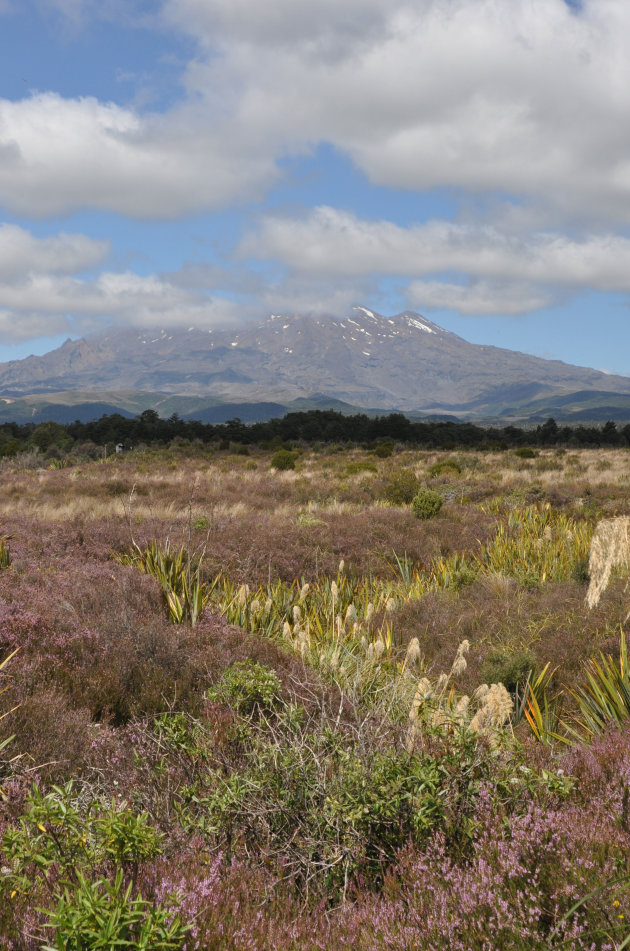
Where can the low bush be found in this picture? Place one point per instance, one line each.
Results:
(509, 669)
(445, 467)
(401, 487)
(426, 503)
(362, 465)
(384, 450)
(283, 460)
(251, 688)
(312, 769)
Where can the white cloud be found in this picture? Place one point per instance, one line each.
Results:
(113, 298)
(300, 296)
(474, 269)
(321, 26)
(21, 253)
(60, 155)
(528, 98)
(337, 243)
(477, 297)
(42, 294)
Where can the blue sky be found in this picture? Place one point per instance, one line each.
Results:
(208, 162)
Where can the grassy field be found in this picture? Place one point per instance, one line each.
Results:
(245, 708)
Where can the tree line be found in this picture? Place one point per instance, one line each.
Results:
(305, 428)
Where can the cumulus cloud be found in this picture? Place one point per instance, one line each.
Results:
(21, 253)
(42, 292)
(529, 98)
(337, 243)
(470, 268)
(477, 297)
(324, 27)
(44, 305)
(59, 155)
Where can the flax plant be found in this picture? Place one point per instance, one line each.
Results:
(604, 698)
(184, 592)
(537, 544)
(538, 709)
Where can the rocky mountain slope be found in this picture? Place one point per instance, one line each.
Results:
(403, 362)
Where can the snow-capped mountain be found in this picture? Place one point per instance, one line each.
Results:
(402, 362)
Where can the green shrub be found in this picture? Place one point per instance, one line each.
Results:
(549, 464)
(445, 466)
(384, 449)
(184, 592)
(103, 914)
(525, 452)
(249, 688)
(426, 503)
(80, 839)
(401, 487)
(283, 460)
(363, 465)
(378, 804)
(510, 669)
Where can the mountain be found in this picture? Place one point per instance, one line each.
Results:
(405, 362)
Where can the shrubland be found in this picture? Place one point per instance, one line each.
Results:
(362, 702)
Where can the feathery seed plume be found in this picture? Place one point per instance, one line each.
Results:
(461, 708)
(243, 594)
(610, 548)
(423, 692)
(302, 642)
(413, 651)
(494, 712)
(459, 664)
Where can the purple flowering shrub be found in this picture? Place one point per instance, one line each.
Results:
(287, 816)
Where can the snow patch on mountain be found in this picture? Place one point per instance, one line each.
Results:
(420, 326)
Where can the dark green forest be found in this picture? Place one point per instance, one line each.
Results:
(309, 428)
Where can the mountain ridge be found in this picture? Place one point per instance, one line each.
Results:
(401, 363)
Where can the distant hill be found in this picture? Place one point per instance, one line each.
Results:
(365, 360)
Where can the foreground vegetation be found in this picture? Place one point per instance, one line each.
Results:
(248, 706)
